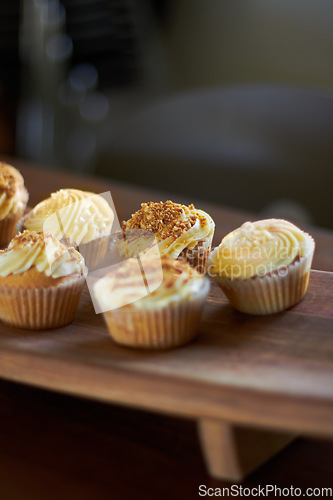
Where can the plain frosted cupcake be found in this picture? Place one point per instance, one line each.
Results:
(13, 201)
(40, 281)
(182, 232)
(77, 218)
(264, 266)
(157, 309)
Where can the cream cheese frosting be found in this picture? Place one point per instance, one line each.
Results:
(13, 195)
(152, 286)
(174, 226)
(79, 216)
(42, 251)
(260, 247)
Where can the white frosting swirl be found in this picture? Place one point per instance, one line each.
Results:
(203, 228)
(79, 216)
(43, 251)
(258, 248)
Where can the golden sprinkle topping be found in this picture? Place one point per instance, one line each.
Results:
(41, 240)
(163, 219)
(31, 238)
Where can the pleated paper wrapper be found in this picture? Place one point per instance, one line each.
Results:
(41, 308)
(270, 293)
(174, 325)
(197, 258)
(94, 251)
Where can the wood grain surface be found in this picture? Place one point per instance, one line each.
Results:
(274, 371)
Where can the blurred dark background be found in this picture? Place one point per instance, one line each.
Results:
(230, 101)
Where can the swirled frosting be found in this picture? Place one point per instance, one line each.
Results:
(174, 226)
(258, 248)
(79, 216)
(42, 251)
(13, 195)
(151, 284)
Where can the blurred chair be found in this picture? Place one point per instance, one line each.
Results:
(245, 147)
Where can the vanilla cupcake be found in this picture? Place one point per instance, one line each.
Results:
(40, 281)
(13, 201)
(77, 218)
(154, 303)
(182, 232)
(263, 267)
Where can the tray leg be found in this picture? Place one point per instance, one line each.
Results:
(231, 452)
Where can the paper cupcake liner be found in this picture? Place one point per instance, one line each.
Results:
(40, 308)
(8, 227)
(94, 251)
(270, 293)
(174, 325)
(197, 258)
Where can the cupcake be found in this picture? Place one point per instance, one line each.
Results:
(77, 218)
(40, 281)
(13, 201)
(157, 308)
(263, 267)
(181, 232)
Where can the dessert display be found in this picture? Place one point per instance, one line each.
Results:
(154, 296)
(40, 281)
(152, 330)
(77, 218)
(263, 267)
(154, 305)
(13, 201)
(181, 231)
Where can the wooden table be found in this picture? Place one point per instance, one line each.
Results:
(70, 442)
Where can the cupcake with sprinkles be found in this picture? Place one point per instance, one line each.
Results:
(40, 281)
(181, 232)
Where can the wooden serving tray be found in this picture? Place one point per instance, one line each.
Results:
(244, 377)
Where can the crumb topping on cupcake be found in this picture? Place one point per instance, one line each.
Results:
(42, 252)
(174, 226)
(164, 219)
(13, 195)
